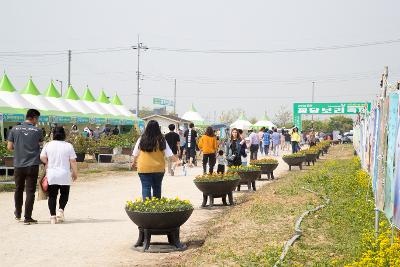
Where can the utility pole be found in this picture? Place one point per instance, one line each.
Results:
(69, 67)
(174, 96)
(138, 47)
(61, 85)
(312, 100)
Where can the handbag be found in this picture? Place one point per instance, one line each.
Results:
(45, 184)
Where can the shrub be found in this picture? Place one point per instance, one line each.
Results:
(264, 161)
(294, 155)
(156, 205)
(249, 168)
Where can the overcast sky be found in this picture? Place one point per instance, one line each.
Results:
(212, 82)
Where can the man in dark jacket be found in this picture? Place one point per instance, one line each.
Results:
(191, 137)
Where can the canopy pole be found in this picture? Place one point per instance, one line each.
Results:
(2, 127)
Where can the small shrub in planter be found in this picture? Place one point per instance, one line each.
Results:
(159, 216)
(268, 165)
(311, 155)
(295, 159)
(248, 175)
(217, 186)
(6, 157)
(80, 144)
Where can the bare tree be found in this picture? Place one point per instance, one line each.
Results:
(284, 117)
(231, 115)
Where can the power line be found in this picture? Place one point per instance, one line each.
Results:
(274, 51)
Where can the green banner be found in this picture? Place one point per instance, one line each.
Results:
(82, 120)
(61, 119)
(349, 108)
(13, 117)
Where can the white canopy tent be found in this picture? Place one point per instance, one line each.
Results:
(32, 95)
(242, 124)
(193, 116)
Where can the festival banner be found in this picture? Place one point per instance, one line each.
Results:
(396, 204)
(391, 151)
(382, 154)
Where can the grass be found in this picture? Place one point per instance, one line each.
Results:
(7, 187)
(253, 233)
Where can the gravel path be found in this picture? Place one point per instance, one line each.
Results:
(97, 231)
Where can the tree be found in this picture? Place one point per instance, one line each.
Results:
(319, 126)
(231, 115)
(340, 123)
(283, 118)
(145, 112)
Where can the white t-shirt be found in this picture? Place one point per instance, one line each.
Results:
(167, 152)
(58, 155)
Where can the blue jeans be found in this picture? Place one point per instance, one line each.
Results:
(149, 181)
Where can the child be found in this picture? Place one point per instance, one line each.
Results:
(221, 162)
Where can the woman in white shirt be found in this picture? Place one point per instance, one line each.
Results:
(59, 158)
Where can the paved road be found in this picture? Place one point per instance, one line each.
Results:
(97, 231)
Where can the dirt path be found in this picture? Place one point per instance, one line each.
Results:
(97, 231)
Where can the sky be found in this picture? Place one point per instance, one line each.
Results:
(35, 36)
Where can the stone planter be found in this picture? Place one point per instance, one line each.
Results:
(8, 161)
(80, 157)
(297, 161)
(219, 189)
(268, 169)
(126, 151)
(163, 223)
(311, 158)
(248, 178)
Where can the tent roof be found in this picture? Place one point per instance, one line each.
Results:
(52, 91)
(6, 85)
(116, 100)
(88, 96)
(71, 94)
(193, 115)
(30, 88)
(103, 98)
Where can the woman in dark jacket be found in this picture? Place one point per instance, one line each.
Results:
(234, 149)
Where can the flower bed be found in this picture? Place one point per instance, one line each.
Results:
(267, 165)
(248, 175)
(295, 159)
(159, 205)
(207, 178)
(265, 161)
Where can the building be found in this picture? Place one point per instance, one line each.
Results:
(166, 120)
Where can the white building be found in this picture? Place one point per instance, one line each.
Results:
(166, 120)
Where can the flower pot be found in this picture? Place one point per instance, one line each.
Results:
(159, 223)
(268, 169)
(105, 150)
(104, 158)
(159, 220)
(127, 151)
(219, 189)
(311, 158)
(8, 161)
(80, 157)
(248, 178)
(297, 161)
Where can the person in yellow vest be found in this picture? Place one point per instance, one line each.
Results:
(208, 145)
(295, 138)
(149, 159)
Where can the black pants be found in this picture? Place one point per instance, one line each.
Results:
(253, 152)
(53, 193)
(25, 178)
(220, 168)
(211, 159)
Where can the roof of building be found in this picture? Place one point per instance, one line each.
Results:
(169, 117)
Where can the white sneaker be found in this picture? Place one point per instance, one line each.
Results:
(53, 219)
(60, 216)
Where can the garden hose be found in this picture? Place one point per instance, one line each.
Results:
(298, 231)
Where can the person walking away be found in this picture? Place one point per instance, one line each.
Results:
(59, 158)
(208, 146)
(191, 136)
(287, 140)
(96, 133)
(254, 145)
(295, 139)
(173, 141)
(115, 131)
(148, 157)
(182, 142)
(260, 137)
(25, 141)
(266, 141)
(276, 140)
(221, 162)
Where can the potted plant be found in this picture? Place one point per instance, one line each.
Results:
(80, 144)
(295, 159)
(106, 145)
(267, 165)
(248, 175)
(6, 157)
(217, 186)
(311, 155)
(128, 141)
(159, 216)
